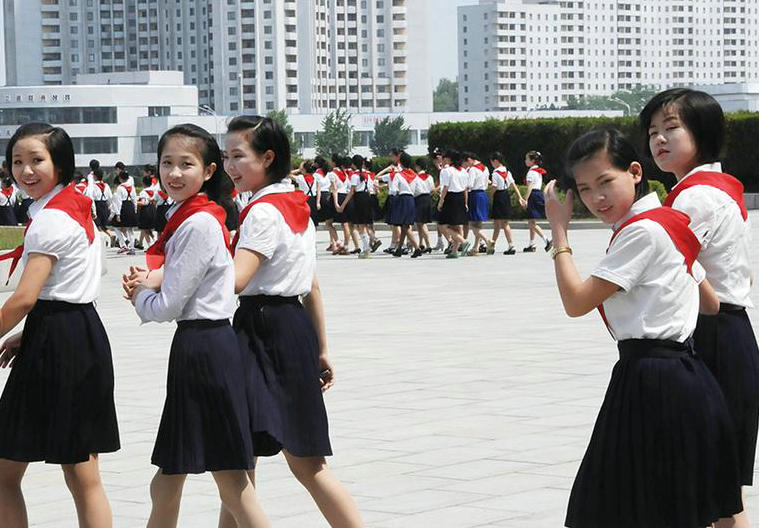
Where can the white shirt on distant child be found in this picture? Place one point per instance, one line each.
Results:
(502, 179)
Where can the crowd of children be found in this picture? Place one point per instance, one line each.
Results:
(675, 437)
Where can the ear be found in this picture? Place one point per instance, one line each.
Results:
(268, 158)
(210, 169)
(636, 171)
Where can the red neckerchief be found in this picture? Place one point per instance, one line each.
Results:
(719, 180)
(293, 206)
(7, 191)
(539, 170)
(128, 189)
(309, 178)
(234, 193)
(101, 186)
(199, 203)
(320, 172)
(408, 174)
(150, 192)
(71, 202)
(423, 175)
(479, 165)
(163, 195)
(153, 181)
(676, 224)
(340, 174)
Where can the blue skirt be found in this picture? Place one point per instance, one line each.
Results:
(478, 205)
(404, 210)
(285, 399)
(536, 205)
(57, 405)
(389, 201)
(205, 425)
(662, 453)
(727, 345)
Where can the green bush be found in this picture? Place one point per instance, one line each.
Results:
(551, 137)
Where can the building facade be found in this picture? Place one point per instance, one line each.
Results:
(517, 55)
(304, 56)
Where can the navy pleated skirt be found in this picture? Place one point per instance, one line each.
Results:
(7, 215)
(478, 205)
(501, 205)
(22, 210)
(363, 209)
(284, 391)
(312, 200)
(345, 216)
(127, 214)
(727, 345)
(103, 213)
(160, 217)
(376, 209)
(327, 209)
(453, 211)
(423, 208)
(536, 204)
(663, 451)
(389, 201)
(57, 405)
(205, 425)
(146, 216)
(404, 210)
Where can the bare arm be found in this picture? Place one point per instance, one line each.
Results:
(246, 265)
(21, 302)
(708, 301)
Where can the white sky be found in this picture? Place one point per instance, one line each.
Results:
(443, 39)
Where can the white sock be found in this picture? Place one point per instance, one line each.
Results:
(365, 244)
(120, 238)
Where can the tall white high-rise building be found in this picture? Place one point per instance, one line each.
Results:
(305, 56)
(518, 55)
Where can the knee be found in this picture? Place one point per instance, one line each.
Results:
(80, 483)
(10, 479)
(306, 469)
(166, 489)
(232, 488)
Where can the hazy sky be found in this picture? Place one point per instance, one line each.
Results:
(443, 38)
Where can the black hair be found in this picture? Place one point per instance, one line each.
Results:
(122, 177)
(497, 156)
(368, 164)
(454, 156)
(149, 168)
(219, 186)
(421, 163)
(620, 151)
(263, 133)
(56, 141)
(358, 161)
(535, 156)
(405, 160)
(98, 174)
(120, 165)
(336, 160)
(321, 163)
(470, 155)
(699, 112)
(395, 152)
(147, 180)
(346, 162)
(94, 165)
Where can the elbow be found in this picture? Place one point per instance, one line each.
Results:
(25, 303)
(573, 312)
(709, 307)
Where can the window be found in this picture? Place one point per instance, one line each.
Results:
(149, 144)
(157, 111)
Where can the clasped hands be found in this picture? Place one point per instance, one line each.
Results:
(138, 279)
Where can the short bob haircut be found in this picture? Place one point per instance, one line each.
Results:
(618, 148)
(219, 186)
(57, 142)
(262, 134)
(405, 160)
(499, 157)
(535, 156)
(454, 156)
(422, 164)
(699, 112)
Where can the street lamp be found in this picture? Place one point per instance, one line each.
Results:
(210, 111)
(620, 101)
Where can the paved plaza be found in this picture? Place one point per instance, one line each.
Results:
(464, 396)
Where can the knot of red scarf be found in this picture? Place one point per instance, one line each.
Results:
(293, 206)
(156, 254)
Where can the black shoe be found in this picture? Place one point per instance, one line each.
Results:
(482, 249)
(549, 245)
(510, 251)
(398, 252)
(355, 251)
(428, 250)
(388, 250)
(405, 251)
(377, 243)
(417, 253)
(529, 249)
(138, 245)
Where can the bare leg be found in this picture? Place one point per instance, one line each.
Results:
(332, 498)
(507, 232)
(411, 237)
(332, 232)
(354, 235)
(12, 505)
(396, 235)
(239, 499)
(497, 226)
(83, 480)
(166, 494)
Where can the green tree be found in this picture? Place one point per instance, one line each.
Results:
(631, 102)
(280, 116)
(445, 98)
(389, 134)
(335, 135)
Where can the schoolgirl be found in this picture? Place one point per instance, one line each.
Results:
(685, 131)
(404, 207)
(453, 202)
(94, 165)
(442, 238)
(662, 453)
(479, 178)
(373, 189)
(7, 201)
(424, 185)
(502, 182)
(535, 201)
(125, 214)
(280, 320)
(120, 169)
(362, 204)
(340, 178)
(146, 211)
(325, 205)
(385, 179)
(205, 425)
(57, 404)
(101, 195)
(303, 176)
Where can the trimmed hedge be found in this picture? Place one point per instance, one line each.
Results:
(514, 138)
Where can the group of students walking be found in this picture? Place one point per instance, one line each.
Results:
(346, 191)
(674, 440)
